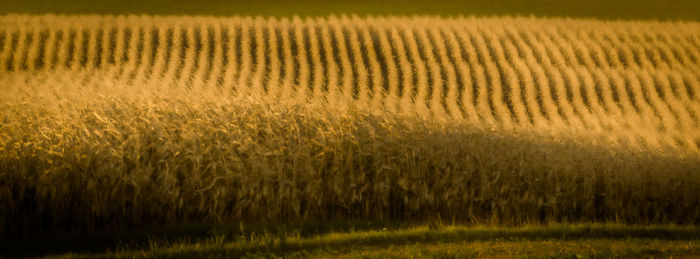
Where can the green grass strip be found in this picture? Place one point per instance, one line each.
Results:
(373, 238)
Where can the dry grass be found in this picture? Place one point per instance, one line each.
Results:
(111, 122)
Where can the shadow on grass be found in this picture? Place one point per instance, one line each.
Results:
(105, 241)
(239, 239)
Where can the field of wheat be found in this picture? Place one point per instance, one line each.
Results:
(125, 121)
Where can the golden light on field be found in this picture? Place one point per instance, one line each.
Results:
(630, 81)
(136, 119)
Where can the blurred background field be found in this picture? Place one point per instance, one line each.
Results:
(602, 9)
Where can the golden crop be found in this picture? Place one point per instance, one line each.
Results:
(118, 121)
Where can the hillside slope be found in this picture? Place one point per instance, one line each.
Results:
(125, 121)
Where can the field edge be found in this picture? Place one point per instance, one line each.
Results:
(410, 239)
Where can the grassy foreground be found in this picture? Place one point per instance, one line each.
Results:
(619, 9)
(394, 240)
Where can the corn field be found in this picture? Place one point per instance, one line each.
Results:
(110, 122)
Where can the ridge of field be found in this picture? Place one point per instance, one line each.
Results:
(639, 79)
(602, 9)
(113, 122)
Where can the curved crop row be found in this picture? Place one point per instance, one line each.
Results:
(587, 76)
